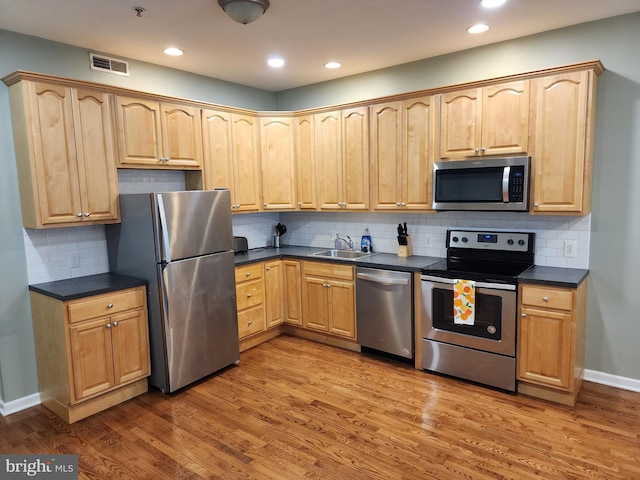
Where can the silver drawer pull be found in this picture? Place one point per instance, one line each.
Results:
(250, 322)
(110, 305)
(545, 299)
(248, 295)
(248, 274)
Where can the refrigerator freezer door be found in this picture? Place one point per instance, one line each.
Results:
(193, 223)
(200, 318)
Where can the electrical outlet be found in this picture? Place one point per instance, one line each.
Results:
(570, 248)
(428, 241)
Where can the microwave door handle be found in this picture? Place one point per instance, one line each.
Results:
(505, 184)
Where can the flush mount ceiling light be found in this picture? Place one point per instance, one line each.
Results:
(332, 65)
(276, 62)
(244, 11)
(492, 3)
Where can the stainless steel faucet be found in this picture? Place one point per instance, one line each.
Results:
(346, 239)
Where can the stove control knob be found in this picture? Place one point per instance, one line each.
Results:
(465, 239)
(510, 241)
(454, 239)
(521, 242)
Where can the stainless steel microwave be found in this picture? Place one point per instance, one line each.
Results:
(488, 184)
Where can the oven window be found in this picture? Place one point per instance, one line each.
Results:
(488, 312)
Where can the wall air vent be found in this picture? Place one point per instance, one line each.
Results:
(107, 64)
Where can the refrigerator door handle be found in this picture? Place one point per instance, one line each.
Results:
(166, 252)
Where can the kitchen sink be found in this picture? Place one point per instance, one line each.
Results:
(341, 254)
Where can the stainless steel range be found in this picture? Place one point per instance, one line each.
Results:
(479, 344)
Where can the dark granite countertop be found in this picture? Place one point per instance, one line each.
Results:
(553, 276)
(73, 288)
(376, 260)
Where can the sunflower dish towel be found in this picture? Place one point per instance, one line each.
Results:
(464, 301)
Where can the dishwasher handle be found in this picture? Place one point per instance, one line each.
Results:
(382, 280)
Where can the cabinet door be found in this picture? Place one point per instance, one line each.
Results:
(418, 152)
(95, 148)
(292, 292)
(387, 165)
(139, 132)
(505, 118)
(246, 163)
(342, 309)
(181, 136)
(315, 303)
(329, 160)
(278, 163)
(91, 357)
(130, 346)
(545, 345)
(274, 293)
(50, 118)
(217, 147)
(561, 142)
(306, 163)
(460, 119)
(355, 158)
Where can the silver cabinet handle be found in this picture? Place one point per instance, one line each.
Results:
(483, 149)
(476, 149)
(545, 299)
(266, 204)
(87, 214)
(115, 324)
(79, 214)
(523, 315)
(536, 204)
(402, 204)
(110, 305)
(250, 322)
(299, 204)
(267, 268)
(108, 325)
(248, 295)
(248, 274)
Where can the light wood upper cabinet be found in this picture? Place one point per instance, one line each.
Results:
(342, 155)
(278, 163)
(231, 157)
(305, 153)
(402, 146)
(492, 120)
(65, 155)
(563, 116)
(155, 134)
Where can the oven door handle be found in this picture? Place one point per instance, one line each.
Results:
(494, 286)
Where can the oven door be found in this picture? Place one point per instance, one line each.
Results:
(494, 329)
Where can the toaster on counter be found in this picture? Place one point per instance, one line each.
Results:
(240, 244)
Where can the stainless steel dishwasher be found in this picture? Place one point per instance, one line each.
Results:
(384, 310)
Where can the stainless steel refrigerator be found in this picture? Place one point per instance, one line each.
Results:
(181, 243)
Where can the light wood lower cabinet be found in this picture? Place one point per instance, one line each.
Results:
(328, 298)
(551, 341)
(292, 271)
(92, 352)
(274, 293)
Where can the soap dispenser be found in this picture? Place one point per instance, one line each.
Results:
(366, 245)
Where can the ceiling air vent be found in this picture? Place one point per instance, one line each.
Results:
(107, 64)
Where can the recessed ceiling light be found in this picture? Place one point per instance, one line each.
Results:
(276, 62)
(174, 52)
(478, 28)
(492, 3)
(332, 65)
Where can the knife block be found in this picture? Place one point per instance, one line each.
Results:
(405, 250)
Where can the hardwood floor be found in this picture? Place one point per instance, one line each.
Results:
(296, 409)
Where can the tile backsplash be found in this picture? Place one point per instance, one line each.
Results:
(57, 254)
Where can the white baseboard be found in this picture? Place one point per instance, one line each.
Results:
(14, 406)
(617, 381)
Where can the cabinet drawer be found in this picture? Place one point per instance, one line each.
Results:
(248, 272)
(331, 270)
(106, 304)
(249, 294)
(547, 297)
(251, 321)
